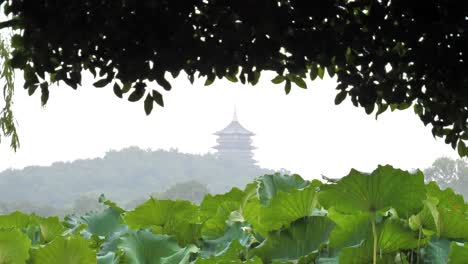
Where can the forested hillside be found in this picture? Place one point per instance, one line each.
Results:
(449, 173)
(125, 176)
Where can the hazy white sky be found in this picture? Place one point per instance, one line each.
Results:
(303, 132)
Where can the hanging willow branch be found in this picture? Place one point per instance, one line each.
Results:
(7, 120)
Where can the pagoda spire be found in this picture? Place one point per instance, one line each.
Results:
(234, 117)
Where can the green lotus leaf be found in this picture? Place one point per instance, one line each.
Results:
(354, 238)
(363, 255)
(110, 243)
(458, 253)
(436, 251)
(50, 228)
(217, 209)
(301, 238)
(71, 250)
(270, 185)
(38, 229)
(350, 229)
(453, 224)
(231, 254)
(144, 247)
(235, 232)
(109, 258)
(445, 213)
(221, 204)
(395, 235)
(179, 218)
(326, 260)
(447, 198)
(14, 246)
(441, 220)
(383, 189)
(15, 219)
(282, 209)
(103, 223)
(428, 220)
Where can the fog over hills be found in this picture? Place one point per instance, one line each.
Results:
(125, 176)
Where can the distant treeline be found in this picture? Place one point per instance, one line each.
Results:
(126, 176)
(449, 173)
(132, 175)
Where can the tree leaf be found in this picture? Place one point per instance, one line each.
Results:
(287, 87)
(126, 87)
(320, 72)
(382, 108)
(209, 80)
(462, 149)
(298, 81)
(313, 72)
(158, 98)
(278, 79)
(136, 95)
(148, 104)
(102, 83)
(117, 90)
(340, 97)
(164, 83)
(44, 93)
(331, 70)
(418, 109)
(231, 78)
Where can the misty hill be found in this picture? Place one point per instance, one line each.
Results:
(123, 176)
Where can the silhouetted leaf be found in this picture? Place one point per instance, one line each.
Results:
(158, 98)
(287, 87)
(148, 104)
(278, 79)
(136, 95)
(117, 90)
(340, 97)
(101, 83)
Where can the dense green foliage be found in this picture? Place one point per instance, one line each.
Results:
(387, 216)
(125, 176)
(385, 54)
(7, 119)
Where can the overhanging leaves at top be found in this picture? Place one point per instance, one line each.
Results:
(378, 50)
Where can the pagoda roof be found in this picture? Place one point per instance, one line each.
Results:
(234, 128)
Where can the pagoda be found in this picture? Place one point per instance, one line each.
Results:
(235, 143)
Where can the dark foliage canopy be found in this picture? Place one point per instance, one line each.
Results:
(385, 54)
